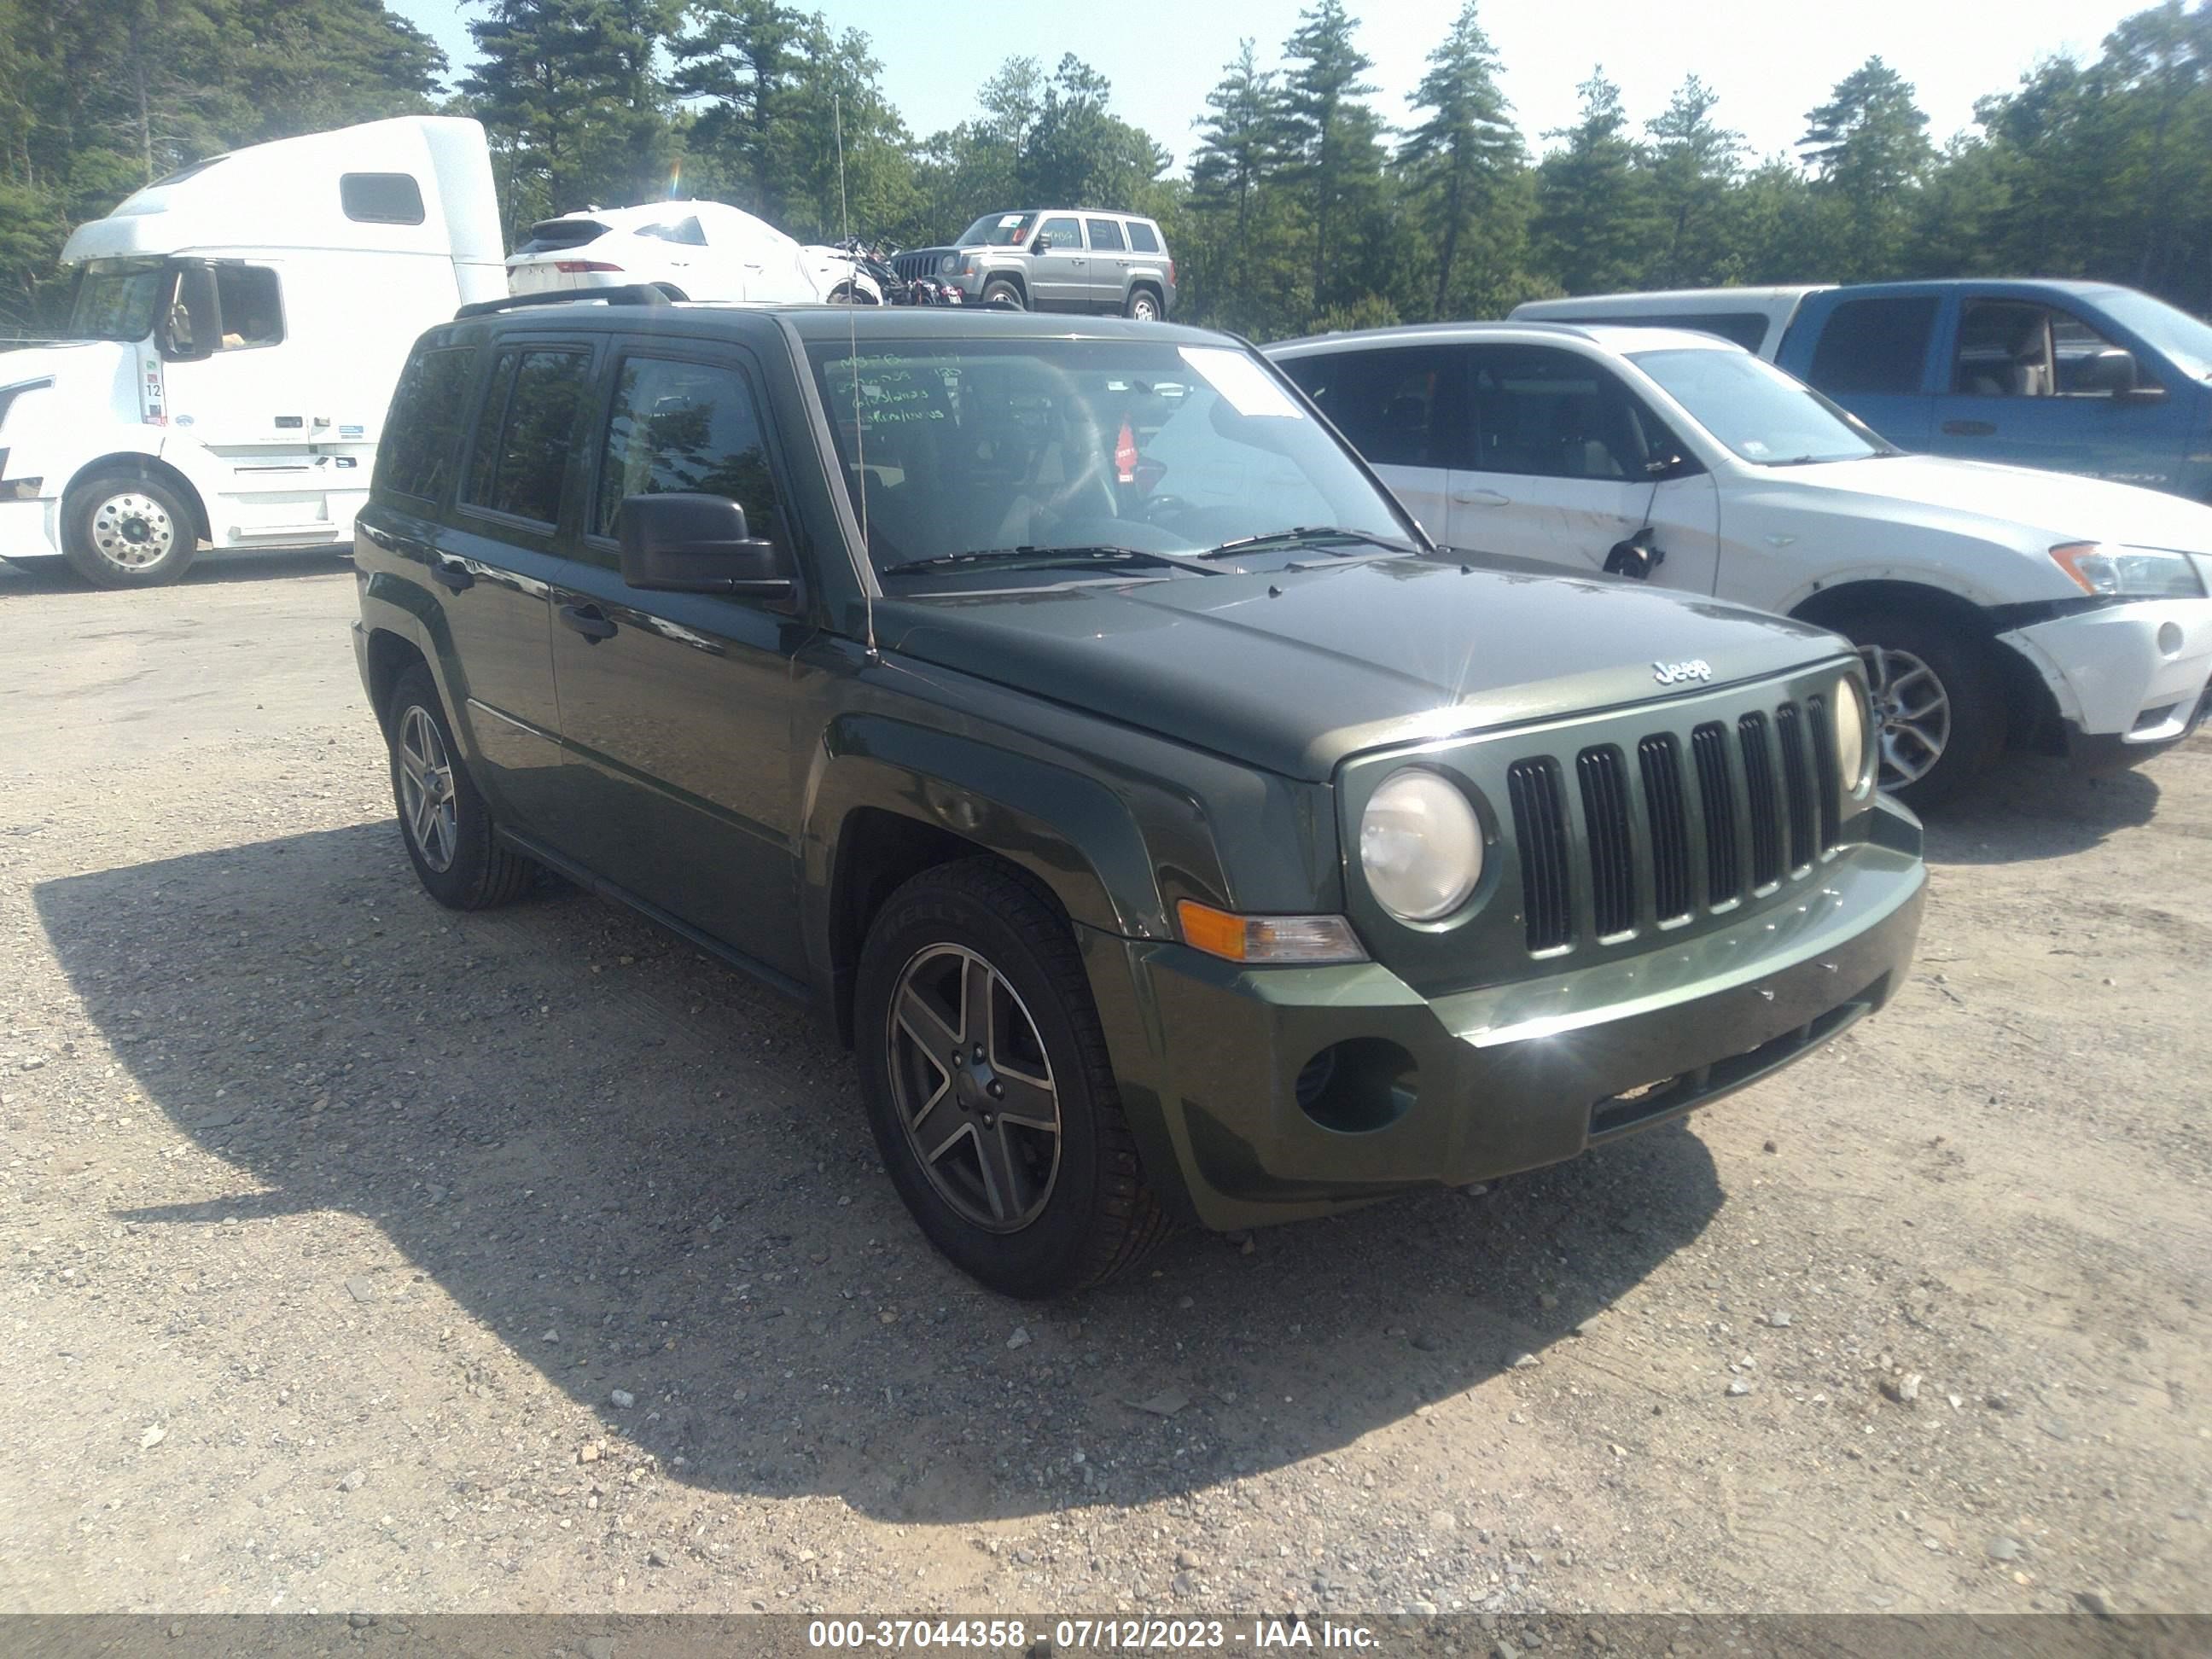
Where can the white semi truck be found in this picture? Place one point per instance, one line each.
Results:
(235, 333)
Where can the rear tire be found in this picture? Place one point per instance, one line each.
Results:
(975, 1028)
(1144, 306)
(1938, 706)
(119, 529)
(443, 820)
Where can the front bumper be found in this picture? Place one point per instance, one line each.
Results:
(2128, 678)
(30, 529)
(1489, 1081)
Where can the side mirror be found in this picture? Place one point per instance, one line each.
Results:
(2110, 371)
(1043, 243)
(684, 543)
(193, 327)
(1636, 557)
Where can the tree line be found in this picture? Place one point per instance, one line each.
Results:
(1307, 204)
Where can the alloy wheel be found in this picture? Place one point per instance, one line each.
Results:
(1913, 709)
(131, 530)
(425, 789)
(973, 1088)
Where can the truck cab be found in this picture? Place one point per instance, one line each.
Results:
(235, 333)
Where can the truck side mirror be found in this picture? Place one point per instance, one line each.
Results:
(2113, 372)
(193, 327)
(695, 543)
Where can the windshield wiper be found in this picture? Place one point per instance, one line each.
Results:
(1311, 533)
(1042, 557)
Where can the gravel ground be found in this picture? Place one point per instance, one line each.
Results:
(357, 1255)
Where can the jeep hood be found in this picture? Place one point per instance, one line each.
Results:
(1295, 671)
(2055, 508)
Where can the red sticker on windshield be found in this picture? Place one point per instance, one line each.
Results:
(1125, 455)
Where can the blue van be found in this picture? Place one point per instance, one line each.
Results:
(2074, 377)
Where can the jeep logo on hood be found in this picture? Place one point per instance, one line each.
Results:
(1673, 673)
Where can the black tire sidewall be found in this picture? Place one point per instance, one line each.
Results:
(461, 885)
(78, 551)
(1962, 664)
(1049, 1255)
(1143, 296)
(995, 291)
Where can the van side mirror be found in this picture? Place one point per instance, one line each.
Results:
(193, 329)
(685, 543)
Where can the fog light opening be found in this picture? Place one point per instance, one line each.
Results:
(1359, 1086)
(2169, 640)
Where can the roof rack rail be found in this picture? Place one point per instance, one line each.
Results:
(631, 294)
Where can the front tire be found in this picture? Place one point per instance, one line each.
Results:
(1002, 293)
(989, 1086)
(1937, 705)
(122, 531)
(443, 820)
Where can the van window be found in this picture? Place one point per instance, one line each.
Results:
(685, 427)
(1875, 346)
(522, 442)
(251, 314)
(1391, 405)
(423, 432)
(1141, 237)
(381, 198)
(1105, 233)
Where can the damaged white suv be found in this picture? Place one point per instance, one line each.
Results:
(1996, 606)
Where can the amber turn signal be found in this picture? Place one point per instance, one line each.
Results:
(1266, 938)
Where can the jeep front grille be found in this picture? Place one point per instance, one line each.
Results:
(1653, 844)
(911, 266)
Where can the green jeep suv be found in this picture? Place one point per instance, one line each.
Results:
(1066, 713)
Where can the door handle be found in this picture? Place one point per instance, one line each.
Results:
(1970, 428)
(452, 575)
(588, 620)
(1479, 498)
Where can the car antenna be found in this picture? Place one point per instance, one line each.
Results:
(853, 348)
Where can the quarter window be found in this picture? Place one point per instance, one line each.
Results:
(685, 427)
(1874, 347)
(1106, 234)
(422, 434)
(1141, 237)
(521, 455)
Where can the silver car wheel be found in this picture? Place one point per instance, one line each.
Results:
(1913, 710)
(425, 789)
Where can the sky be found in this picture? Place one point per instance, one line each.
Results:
(1770, 64)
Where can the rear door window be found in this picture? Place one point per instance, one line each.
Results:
(1393, 406)
(1874, 347)
(522, 452)
(1106, 235)
(422, 434)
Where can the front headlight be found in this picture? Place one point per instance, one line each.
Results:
(1854, 739)
(2135, 573)
(1421, 845)
(948, 263)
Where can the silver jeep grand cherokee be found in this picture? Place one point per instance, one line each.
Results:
(1057, 259)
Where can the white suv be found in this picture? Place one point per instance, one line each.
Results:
(1994, 604)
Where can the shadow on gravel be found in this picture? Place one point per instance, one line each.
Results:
(573, 1124)
(2032, 808)
(209, 569)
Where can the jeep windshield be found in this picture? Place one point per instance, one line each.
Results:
(1756, 409)
(116, 299)
(1034, 448)
(998, 230)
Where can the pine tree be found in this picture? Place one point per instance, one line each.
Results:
(742, 57)
(1868, 147)
(1593, 217)
(1693, 164)
(1333, 137)
(1464, 160)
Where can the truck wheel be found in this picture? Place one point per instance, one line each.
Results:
(1144, 306)
(988, 1088)
(122, 531)
(443, 820)
(1003, 293)
(1937, 705)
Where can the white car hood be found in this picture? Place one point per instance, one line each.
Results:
(2063, 506)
